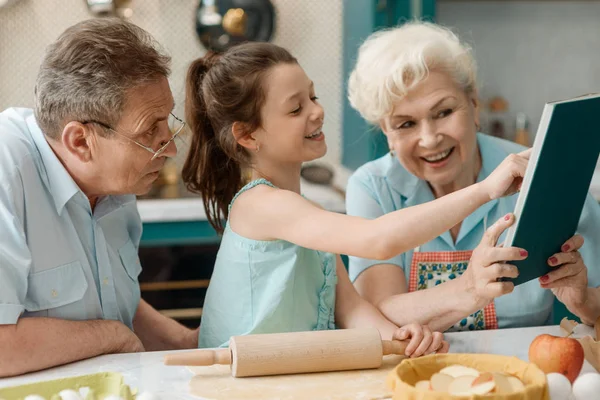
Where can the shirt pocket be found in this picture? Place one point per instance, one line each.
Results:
(131, 261)
(55, 287)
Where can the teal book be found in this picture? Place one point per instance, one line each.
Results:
(556, 182)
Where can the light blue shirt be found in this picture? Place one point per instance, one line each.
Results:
(383, 186)
(57, 258)
(267, 287)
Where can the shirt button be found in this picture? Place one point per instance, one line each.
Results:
(105, 281)
(54, 293)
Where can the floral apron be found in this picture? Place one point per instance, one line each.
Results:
(429, 269)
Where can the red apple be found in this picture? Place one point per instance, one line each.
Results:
(557, 354)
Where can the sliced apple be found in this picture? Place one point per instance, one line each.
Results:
(483, 384)
(461, 386)
(457, 371)
(440, 382)
(423, 385)
(502, 383)
(483, 378)
(516, 383)
(567, 326)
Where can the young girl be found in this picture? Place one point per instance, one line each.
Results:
(254, 107)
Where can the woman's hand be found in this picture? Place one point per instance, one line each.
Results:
(487, 265)
(568, 280)
(422, 340)
(506, 179)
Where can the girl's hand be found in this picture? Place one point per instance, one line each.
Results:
(488, 264)
(506, 179)
(422, 340)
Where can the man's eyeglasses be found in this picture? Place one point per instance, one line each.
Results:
(176, 126)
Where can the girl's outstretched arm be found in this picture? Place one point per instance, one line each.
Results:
(281, 214)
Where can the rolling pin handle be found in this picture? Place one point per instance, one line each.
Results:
(200, 357)
(394, 347)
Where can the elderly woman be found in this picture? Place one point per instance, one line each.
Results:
(417, 82)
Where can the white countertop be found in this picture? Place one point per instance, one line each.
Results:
(192, 209)
(146, 372)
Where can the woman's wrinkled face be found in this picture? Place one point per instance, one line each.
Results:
(433, 130)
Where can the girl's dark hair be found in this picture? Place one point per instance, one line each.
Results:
(220, 90)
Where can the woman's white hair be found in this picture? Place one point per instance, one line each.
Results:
(393, 61)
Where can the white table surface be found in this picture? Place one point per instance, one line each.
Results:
(146, 372)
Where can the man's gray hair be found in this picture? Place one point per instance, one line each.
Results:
(87, 71)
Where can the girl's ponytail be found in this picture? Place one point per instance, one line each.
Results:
(220, 91)
(208, 170)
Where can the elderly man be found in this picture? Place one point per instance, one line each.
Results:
(101, 130)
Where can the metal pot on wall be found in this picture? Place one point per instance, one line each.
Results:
(221, 24)
(109, 8)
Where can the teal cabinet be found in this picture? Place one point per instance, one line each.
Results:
(360, 141)
(178, 233)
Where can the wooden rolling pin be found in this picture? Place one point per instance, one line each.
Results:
(296, 352)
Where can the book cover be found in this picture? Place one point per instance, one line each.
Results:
(556, 182)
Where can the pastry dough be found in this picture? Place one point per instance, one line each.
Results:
(216, 383)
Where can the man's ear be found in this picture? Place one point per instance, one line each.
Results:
(244, 137)
(78, 140)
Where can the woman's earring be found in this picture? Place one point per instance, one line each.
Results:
(392, 153)
(257, 147)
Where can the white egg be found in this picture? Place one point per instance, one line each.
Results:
(34, 397)
(146, 396)
(558, 386)
(84, 391)
(69, 394)
(586, 387)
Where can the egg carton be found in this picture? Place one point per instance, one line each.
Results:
(100, 386)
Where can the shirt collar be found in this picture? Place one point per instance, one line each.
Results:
(407, 184)
(417, 191)
(402, 181)
(61, 185)
(108, 204)
(491, 156)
